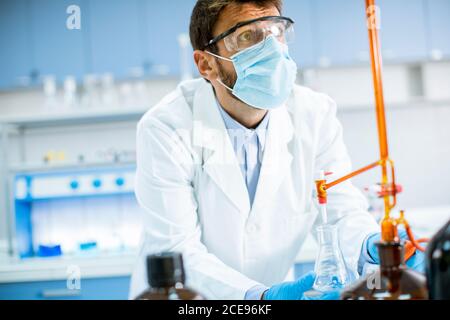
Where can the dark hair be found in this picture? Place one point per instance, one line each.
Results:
(207, 12)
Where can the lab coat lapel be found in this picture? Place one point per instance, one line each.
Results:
(219, 159)
(276, 159)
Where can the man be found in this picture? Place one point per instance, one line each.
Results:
(226, 164)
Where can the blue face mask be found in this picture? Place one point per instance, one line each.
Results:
(265, 74)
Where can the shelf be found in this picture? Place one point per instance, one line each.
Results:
(417, 103)
(74, 118)
(40, 168)
(366, 64)
(103, 195)
(146, 78)
(105, 116)
(45, 269)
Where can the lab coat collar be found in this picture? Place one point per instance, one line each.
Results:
(221, 164)
(277, 157)
(233, 125)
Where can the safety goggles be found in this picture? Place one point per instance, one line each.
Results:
(249, 33)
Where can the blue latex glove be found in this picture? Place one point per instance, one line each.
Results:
(295, 290)
(416, 262)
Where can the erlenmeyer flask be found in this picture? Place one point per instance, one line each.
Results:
(330, 268)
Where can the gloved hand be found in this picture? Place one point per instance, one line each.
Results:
(295, 290)
(416, 262)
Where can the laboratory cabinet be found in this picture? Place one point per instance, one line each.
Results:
(36, 42)
(115, 37)
(134, 38)
(340, 32)
(57, 50)
(334, 33)
(114, 288)
(75, 212)
(403, 30)
(163, 24)
(438, 12)
(15, 52)
(138, 37)
(302, 49)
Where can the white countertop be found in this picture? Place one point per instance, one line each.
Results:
(48, 269)
(45, 269)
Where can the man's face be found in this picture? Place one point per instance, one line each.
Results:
(228, 18)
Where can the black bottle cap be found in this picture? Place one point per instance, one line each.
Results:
(165, 269)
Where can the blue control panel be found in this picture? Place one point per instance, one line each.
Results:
(52, 200)
(41, 186)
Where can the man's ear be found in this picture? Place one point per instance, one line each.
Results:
(205, 65)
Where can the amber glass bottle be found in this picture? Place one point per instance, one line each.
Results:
(438, 265)
(393, 281)
(166, 279)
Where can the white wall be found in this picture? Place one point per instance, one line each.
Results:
(420, 146)
(418, 115)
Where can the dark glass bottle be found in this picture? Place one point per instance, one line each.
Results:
(393, 281)
(438, 265)
(166, 279)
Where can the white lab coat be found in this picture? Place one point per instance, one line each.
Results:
(190, 185)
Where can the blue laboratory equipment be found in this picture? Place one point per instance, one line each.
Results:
(75, 212)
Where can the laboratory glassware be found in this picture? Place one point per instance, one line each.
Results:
(91, 97)
(376, 203)
(109, 96)
(185, 57)
(330, 268)
(166, 278)
(392, 251)
(50, 92)
(393, 280)
(127, 99)
(140, 93)
(70, 92)
(438, 265)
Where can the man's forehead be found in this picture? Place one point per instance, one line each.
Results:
(234, 14)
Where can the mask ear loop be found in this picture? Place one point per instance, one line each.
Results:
(219, 57)
(218, 79)
(223, 84)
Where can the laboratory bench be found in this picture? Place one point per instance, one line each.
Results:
(101, 278)
(104, 277)
(107, 276)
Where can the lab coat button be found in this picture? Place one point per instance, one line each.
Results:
(251, 228)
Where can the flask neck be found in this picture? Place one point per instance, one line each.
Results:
(327, 234)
